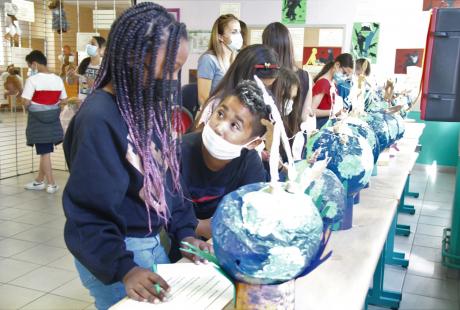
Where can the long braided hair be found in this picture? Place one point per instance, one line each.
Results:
(145, 102)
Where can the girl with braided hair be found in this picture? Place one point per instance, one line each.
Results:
(124, 184)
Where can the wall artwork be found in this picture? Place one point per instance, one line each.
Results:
(314, 56)
(175, 12)
(429, 4)
(199, 40)
(408, 57)
(364, 41)
(294, 11)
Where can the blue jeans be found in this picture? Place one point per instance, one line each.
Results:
(146, 252)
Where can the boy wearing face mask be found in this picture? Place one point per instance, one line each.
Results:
(222, 158)
(226, 40)
(42, 94)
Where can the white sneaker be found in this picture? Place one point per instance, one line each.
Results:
(51, 189)
(36, 186)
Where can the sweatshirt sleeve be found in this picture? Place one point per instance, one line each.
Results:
(94, 231)
(183, 221)
(255, 171)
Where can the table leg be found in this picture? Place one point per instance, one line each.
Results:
(403, 208)
(392, 257)
(377, 296)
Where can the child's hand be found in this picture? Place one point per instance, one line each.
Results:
(140, 285)
(200, 244)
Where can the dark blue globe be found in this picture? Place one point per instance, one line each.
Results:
(256, 242)
(393, 127)
(330, 198)
(380, 128)
(360, 127)
(351, 156)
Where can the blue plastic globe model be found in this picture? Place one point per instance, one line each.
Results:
(261, 237)
(380, 128)
(360, 127)
(351, 156)
(393, 127)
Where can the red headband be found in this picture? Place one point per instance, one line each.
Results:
(267, 65)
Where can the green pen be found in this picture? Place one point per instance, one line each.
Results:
(157, 286)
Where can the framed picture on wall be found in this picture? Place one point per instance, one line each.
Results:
(408, 57)
(314, 56)
(429, 4)
(199, 40)
(294, 11)
(175, 12)
(365, 41)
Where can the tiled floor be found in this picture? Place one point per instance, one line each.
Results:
(37, 271)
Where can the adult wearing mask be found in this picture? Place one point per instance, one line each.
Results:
(325, 87)
(226, 40)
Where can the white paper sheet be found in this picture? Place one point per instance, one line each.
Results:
(297, 35)
(256, 36)
(330, 37)
(193, 287)
(230, 8)
(103, 19)
(25, 10)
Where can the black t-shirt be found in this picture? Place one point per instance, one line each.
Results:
(208, 187)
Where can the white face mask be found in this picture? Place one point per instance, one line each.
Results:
(288, 105)
(218, 147)
(236, 42)
(31, 72)
(71, 58)
(91, 50)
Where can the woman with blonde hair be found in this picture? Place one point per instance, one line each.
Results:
(226, 40)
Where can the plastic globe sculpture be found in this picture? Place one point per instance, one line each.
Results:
(255, 243)
(375, 102)
(351, 156)
(393, 127)
(379, 126)
(330, 198)
(360, 127)
(401, 126)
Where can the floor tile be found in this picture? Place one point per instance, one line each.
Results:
(427, 253)
(422, 267)
(370, 307)
(435, 288)
(11, 213)
(45, 279)
(9, 228)
(394, 278)
(93, 307)
(12, 269)
(75, 290)
(56, 224)
(66, 262)
(428, 241)
(38, 234)
(9, 247)
(443, 213)
(13, 297)
(41, 254)
(54, 302)
(430, 230)
(36, 218)
(12, 200)
(417, 302)
(57, 242)
(436, 221)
